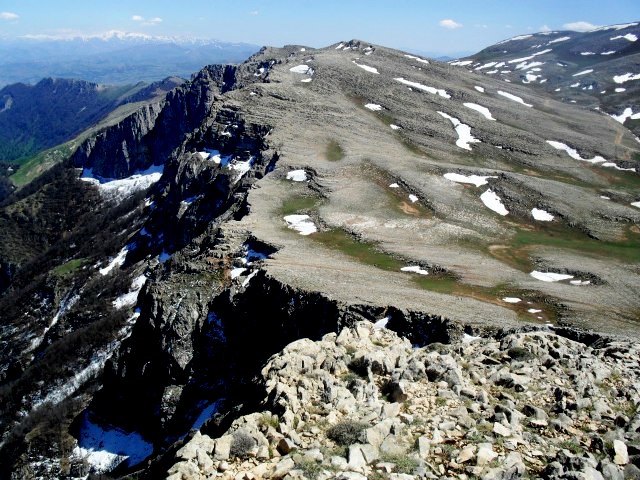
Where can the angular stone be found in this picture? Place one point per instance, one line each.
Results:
(424, 446)
(370, 453)
(466, 454)
(284, 466)
(223, 448)
(356, 458)
(621, 456)
(501, 430)
(591, 473)
(285, 446)
(485, 454)
(350, 476)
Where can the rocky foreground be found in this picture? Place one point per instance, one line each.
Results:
(366, 404)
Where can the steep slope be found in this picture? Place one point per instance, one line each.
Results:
(596, 69)
(289, 197)
(53, 111)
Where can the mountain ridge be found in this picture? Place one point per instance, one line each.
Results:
(294, 196)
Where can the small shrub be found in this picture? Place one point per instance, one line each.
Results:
(347, 432)
(571, 445)
(519, 353)
(311, 468)
(242, 444)
(359, 366)
(404, 463)
(269, 420)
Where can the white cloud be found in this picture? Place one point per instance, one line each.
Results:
(254, 12)
(545, 28)
(448, 23)
(8, 16)
(579, 26)
(146, 21)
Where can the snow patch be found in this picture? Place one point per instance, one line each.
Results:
(130, 298)
(382, 323)
(105, 447)
(373, 107)
(626, 77)
(514, 98)
(413, 198)
(367, 68)
(523, 59)
(580, 282)
(541, 215)
(463, 131)
(419, 86)
(550, 276)
(628, 113)
(297, 175)
(584, 72)
(493, 202)
(629, 36)
(480, 89)
(125, 187)
(573, 153)
(418, 59)
(118, 261)
(479, 108)
(512, 299)
(620, 90)
(301, 223)
(635, 204)
(476, 180)
(394, 185)
(415, 269)
(534, 310)
(236, 272)
(394, 127)
(561, 39)
(302, 69)
(462, 63)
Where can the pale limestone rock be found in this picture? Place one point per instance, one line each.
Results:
(621, 456)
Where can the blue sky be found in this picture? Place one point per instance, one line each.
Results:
(440, 26)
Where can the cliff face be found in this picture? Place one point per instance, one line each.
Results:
(149, 136)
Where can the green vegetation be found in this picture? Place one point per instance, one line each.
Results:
(311, 468)
(298, 204)
(625, 249)
(69, 267)
(242, 444)
(364, 252)
(35, 165)
(403, 463)
(269, 420)
(347, 432)
(334, 151)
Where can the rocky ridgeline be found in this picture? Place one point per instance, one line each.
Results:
(365, 404)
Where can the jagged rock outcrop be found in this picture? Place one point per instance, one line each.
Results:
(363, 403)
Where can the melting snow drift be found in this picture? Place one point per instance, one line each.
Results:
(463, 131)
(301, 223)
(493, 202)
(550, 276)
(476, 180)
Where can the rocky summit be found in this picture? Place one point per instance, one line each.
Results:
(365, 403)
(348, 262)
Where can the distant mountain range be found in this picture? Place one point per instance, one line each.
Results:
(599, 69)
(36, 117)
(114, 58)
